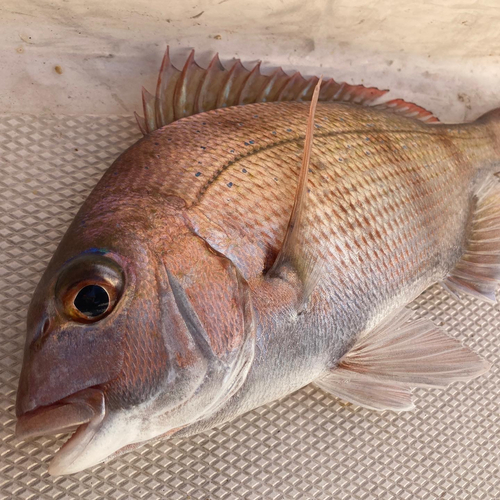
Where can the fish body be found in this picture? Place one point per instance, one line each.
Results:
(187, 226)
(389, 202)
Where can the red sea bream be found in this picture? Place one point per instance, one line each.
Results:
(252, 243)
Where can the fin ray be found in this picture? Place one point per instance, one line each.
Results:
(229, 94)
(206, 98)
(372, 395)
(478, 271)
(149, 107)
(167, 81)
(401, 353)
(186, 88)
(408, 109)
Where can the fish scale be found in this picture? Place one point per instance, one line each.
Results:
(408, 203)
(383, 199)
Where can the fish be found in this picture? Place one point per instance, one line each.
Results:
(267, 232)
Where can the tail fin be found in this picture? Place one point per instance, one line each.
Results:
(492, 116)
(478, 271)
(492, 120)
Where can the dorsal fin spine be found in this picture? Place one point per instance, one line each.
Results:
(292, 88)
(237, 77)
(214, 69)
(149, 105)
(253, 75)
(277, 79)
(180, 87)
(164, 64)
(141, 123)
(167, 81)
(307, 92)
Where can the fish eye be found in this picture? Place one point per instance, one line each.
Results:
(89, 288)
(92, 300)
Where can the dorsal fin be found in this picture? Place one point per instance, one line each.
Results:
(294, 252)
(408, 109)
(167, 81)
(196, 89)
(150, 117)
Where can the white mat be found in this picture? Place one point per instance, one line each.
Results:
(306, 446)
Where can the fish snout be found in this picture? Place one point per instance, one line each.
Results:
(25, 401)
(64, 357)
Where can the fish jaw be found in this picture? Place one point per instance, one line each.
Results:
(85, 410)
(90, 445)
(110, 434)
(99, 434)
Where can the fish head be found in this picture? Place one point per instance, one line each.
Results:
(130, 338)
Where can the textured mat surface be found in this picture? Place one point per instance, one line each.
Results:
(306, 446)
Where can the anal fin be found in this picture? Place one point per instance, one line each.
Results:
(401, 353)
(478, 272)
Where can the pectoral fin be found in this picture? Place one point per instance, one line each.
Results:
(296, 254)
(401, 353)
(478, 271)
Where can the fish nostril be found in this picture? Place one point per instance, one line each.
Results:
(45, 326)
(41, 334)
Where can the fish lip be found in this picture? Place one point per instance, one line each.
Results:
(61, 416)
(85, 409)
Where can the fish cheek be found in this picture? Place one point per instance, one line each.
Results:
(162, 364)
(190, 335)
(145, 362)
(213, 302)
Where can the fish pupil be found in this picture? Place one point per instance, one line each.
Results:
(92, 300)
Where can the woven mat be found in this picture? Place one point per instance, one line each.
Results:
(305, 446)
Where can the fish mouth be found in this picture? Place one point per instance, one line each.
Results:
(82, 412)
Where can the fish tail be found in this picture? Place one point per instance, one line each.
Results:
(492, 120)
(492, 116)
